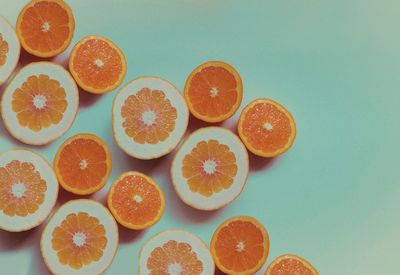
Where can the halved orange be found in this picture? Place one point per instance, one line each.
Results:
(80, 238)
(83, 164)
(213, 91)
(290, 264)
(136, 201)
(9, 50)
(97, 64)
(45, 27)
(28, 190)
(240, 245)
(266, 128)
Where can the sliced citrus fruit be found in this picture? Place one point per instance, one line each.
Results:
(150, 117)
(80, 238)
(266, 128)
(97, 64)
(83, 164)
(240, 245)
(175, 252)
(136, 201)
(45, 27)
(9, 50)
(28, 190)
(213, 91)
(290, 264)
(210, 169)
(40, 103)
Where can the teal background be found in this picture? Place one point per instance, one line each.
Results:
(334, 197)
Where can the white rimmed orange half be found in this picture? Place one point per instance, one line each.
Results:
(290, 264)
(9, 50)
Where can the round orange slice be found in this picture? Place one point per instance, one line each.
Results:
(97, 64)
(40, 103)
(150, 117)
(28, 190)
(136, 201)
(210, 169)
(266, 128)
(83, 164)
(240, 245)
(175, 252)
(80, 238)
(45, 27)
(290, 264)
(213, 91)
(9, 50)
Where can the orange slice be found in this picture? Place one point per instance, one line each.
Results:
(136, 201)
(80, 238)
(40, 103)
(28, 190)
(213, 91)
(45, 27)
(83, 164)
(9, 50)
(210, 169)
(266, 128)
(97, 64)
(175, 252)
(240, 245)
(290, 264)
(150, 117)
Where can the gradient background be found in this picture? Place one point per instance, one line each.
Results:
(334, 197)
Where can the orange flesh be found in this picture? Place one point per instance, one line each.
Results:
(209, 168)
(39, 102)
(22, 190)
(3, 50)
(79, 240)
(173, 254)
(148, 116)
(290, 266)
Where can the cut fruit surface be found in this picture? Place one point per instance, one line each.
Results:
(28, 190)
(240, 245)
(97, 64)
(175, 252)
(266, 128)
(83, 164)
(136, 201)
(45, 27)
(40, 103)
(9, 50)
(80, 238)
(210, 169)
(290, 264)
(213, 91)
(150, 117)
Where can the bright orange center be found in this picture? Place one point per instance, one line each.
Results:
(289, 267)
(3, 50)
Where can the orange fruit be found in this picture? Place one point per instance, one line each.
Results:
(175, 252)
(80, 238)
(290, 265)
(45, 27)
(240, 245)
(9, 50)
(150, 117)
(28, 190)
(210, 169)
(83, 164)
(266, 128)
(213, 91)
(136, 201)
(97, 64)
(40, 103)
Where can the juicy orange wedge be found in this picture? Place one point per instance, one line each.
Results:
(290, 264)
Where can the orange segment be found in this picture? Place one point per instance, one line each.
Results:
(83, 164)
(97, 64)
(136, 201)
(290, 264)
(266, 128)
(3, 50)
(45, 27)
(213, 91)
(240, 245)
